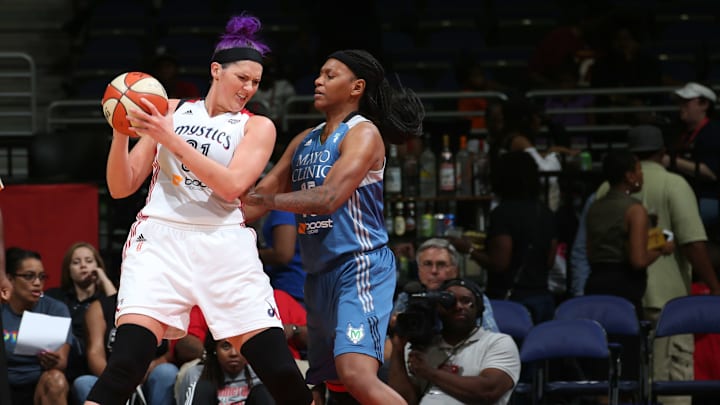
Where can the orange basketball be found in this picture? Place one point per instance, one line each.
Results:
(125, 91)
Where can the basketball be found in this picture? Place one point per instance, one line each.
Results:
(124, 93)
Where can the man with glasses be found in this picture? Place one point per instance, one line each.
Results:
(437, 261)
(464, 363)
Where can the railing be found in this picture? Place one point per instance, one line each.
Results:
(610, 91)
(299, 108)
(62, 113)
(18, 94)
(304, 103)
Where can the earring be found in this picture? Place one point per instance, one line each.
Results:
(637, 184)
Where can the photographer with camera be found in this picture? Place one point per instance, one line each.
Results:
(463, 363)
(437, 261)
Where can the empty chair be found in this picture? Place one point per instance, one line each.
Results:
(627, 338)
(563, 340)
(688, 315)
(514, 319)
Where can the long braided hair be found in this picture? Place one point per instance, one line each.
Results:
(397, 112)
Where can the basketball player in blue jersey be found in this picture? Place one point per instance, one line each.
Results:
(331, 176)
(189, 245)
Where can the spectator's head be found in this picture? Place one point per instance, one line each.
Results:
(79, 266)
(621, 168)
(25, 270)
(522, 116)
(696, 102)
(468, 307)
(166, 69)
(437, 261)
(516, 176)
(494, 119)
(221, 358)
(645, 141)
(473, 77)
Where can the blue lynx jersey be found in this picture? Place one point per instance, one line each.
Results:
(355, 227)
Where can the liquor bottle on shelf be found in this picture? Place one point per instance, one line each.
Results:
(393, 174)
(426, 227)
(463, 170)
(399, 219)
(389, 220)
(446, 169)
(410, 171)
(480, 167)
(428, 170)
(410, 224)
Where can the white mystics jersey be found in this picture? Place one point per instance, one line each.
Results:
(175, 193)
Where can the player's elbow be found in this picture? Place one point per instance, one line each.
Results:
(119, 192)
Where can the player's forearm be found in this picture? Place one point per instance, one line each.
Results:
(319, 200)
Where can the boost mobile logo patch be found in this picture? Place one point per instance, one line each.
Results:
(311, 228)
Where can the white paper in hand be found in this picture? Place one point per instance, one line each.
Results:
(40, 332)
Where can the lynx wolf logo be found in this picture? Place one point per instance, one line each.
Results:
(355, 334)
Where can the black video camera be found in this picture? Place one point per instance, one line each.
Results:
(418, 322)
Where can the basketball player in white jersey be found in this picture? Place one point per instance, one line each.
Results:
(189, 245)
(331, 176)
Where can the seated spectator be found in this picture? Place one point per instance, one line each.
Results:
(566, 77)
(464, 363)
(294, 319)
(572, 39)
(224, 378)
(38, 379)
(188, 350)
(437, 261)
(274, 91)
(626, 63)
(83, 280)
(166, 70)
(474, 79)
(100, 320)
(281, 254)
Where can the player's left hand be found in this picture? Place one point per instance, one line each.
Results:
(252, 198)
(153, 124)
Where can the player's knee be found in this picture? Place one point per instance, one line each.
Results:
(357, 378)
(133, 350)
(269, 356)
